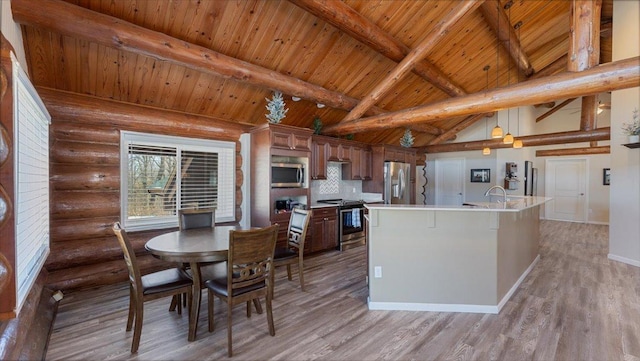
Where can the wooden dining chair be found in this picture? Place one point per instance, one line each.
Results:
(191, 219)
(170, 282)
(296, 234)
(249, 265)
(196, 218)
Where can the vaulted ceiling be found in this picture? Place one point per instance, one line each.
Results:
(346, 47)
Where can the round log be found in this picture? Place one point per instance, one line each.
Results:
(101, 274)
(72, 229)
(82, 177)
(84, 153)
(79, 205)
(73, 253)
(65, 130)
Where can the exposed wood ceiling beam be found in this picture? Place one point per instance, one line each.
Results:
(93, 110)
(545, 105)
(616, 75)
(427, 128)
(78, 22)
(343, 17)
(416, 54)
(499, 22)
(605, 149)
(527, 141)
(584, 47)
(558, 107)
(584, 38)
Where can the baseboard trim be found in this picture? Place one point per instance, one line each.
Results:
(626, 260)
(431, 307)
(517, 284)
(444, 307)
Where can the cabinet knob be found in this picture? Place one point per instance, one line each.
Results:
(326, 219)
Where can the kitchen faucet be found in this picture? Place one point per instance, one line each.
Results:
(504, 193)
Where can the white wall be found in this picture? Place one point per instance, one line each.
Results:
(624, 229)
(12, 32)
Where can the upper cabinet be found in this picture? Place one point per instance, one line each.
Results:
(354, 156)
(319, 158)
(290, 138)
(338, 152)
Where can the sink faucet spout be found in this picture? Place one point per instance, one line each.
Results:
(504, 192)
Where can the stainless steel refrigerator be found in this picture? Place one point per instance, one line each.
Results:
(396, 183)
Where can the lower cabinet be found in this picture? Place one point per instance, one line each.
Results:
(324, 229)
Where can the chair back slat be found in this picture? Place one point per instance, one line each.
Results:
(250, 256)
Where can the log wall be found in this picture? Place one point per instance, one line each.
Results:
(85, 183)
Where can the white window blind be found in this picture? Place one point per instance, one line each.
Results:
(31, 137)
(161, 174)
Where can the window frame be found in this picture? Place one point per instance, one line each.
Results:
(223, 148)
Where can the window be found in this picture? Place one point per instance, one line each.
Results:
(161, 174)
(31, 135)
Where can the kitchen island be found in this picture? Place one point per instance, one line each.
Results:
(468, 258)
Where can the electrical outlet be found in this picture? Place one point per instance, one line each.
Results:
(377, 272)
(354, 189)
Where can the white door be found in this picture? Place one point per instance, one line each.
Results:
(566, 183)
(449, 182)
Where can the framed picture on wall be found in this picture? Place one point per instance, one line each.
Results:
(480, 175)
(606, 176)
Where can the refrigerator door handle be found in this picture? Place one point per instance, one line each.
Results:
(401, 183)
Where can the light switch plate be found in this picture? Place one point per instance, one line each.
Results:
(377, 272)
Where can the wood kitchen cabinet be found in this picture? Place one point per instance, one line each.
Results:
(365, 164)
(319, 158)
(324, 229)
(278, 142)
(338, 152)
(291, 138)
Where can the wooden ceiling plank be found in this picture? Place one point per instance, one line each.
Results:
(463, 124)
(62, 17)
(527, 141)
(497, 19)
(416, 54)
(621, 74)
(555, 109)
(362, 29)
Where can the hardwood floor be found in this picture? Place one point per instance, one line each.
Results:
(575, 305)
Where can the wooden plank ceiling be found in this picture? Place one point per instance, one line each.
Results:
(281, 36)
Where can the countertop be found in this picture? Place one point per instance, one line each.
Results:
(513, 204)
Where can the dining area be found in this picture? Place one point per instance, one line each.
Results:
(233, 263)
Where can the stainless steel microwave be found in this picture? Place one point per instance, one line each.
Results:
(287, 175)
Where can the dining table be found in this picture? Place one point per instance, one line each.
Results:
(193, 246)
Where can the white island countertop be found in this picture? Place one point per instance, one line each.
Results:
(513, 204)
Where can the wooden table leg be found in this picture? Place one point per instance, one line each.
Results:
(195, 305)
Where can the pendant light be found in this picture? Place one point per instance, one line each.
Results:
(497, 131)
(517, 144)
(486, 150)
(508, 139)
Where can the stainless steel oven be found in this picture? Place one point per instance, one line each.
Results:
(351, 223)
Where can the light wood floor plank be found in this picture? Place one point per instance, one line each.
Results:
(574, 305)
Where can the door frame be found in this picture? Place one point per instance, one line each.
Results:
(437, 187)
(547, 181)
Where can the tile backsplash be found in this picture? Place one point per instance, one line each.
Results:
(334, 186)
